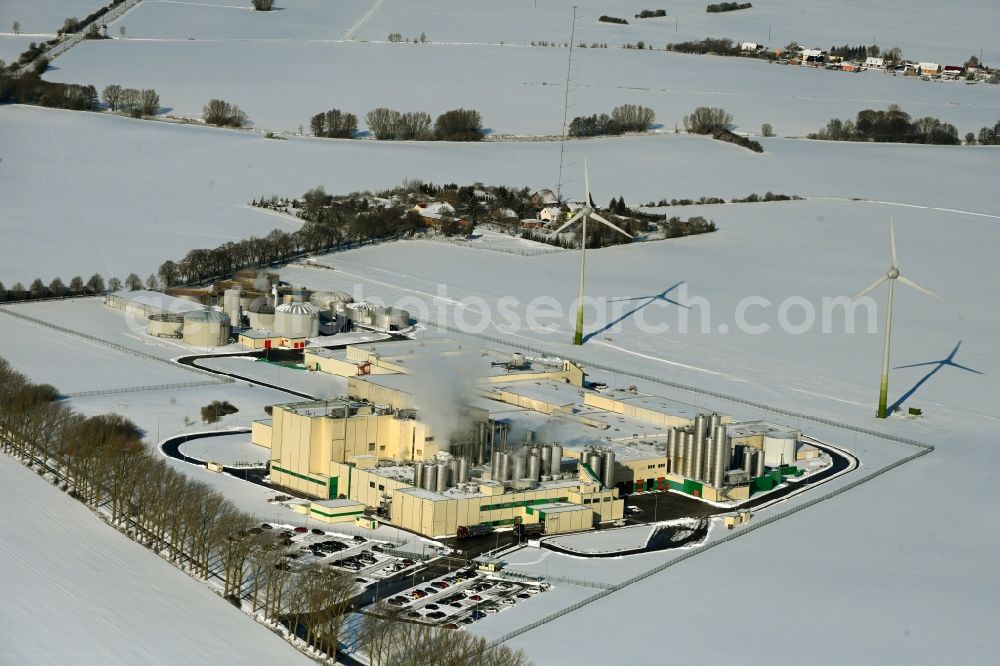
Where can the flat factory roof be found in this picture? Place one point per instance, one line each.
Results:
(337, 504)
(653, 403)
(753, 428)
(320, 407)
(560, 507)
(157, 300)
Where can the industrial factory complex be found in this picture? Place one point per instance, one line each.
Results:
(527, 440)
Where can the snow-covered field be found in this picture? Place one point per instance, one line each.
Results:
(518, 90)
(924, 29)
(141, 192)
(77, 591)
(44, 16)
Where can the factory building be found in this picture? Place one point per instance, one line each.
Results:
(375, 447)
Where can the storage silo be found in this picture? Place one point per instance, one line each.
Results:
(758, 464)
(714, 421)
(698, 448)
(329, 300)
(418, 475)
(699, 425)
(206, 328)
(779, 448)
(495, 466)
(430, 477)
(534, 467)
(442, 477)
(673, 451)
(463, 470)
(504, 468)
(452, 471)
(296, 320)
(165, 325)
(546, 459)
(722, 456)
(594, 460)
(709, 459)
(608, 469)
(520, 466)
(261, 316)
(749, 462)
(556, 458)
(231, 303)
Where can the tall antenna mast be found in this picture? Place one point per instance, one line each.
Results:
(562, 143)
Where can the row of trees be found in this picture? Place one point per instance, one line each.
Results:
(130, 101)
(102, 462)
(651, 13)
(988, 136)
(454, 125)
(30, 88)
(892, 125)
(77, 287)
(727, 7)
(334, 124)
(624, 118)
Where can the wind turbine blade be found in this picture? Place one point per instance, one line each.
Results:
(586, 181)
(873, 286)
(600, 219)
(892, 241)
(910, 283)
(919, 365)
(959, 365)
(572, 220)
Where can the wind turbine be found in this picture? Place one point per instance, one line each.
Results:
(891, 276)
(584, 214)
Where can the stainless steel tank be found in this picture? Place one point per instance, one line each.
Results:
(418, 475)
(452, 471)
(546, 459)
(709, 460)
(534, 467)
(698, 468)
(495, 466)
(430, 477)
(608, 470)
(442, 477)
(714, 421)
(504, 466)
(699, 425)
(520, 466)
(594, 460)
(748, 461)
(758, 464)
(463, 470)
(556, 458)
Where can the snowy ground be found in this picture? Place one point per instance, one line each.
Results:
(215, 173)
(304, 381)
(925, 30)
(12, 46)
(44, 16)
(226, 450)
(518, 90)
(77, 591)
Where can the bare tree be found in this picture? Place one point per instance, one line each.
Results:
(705, 120)
(76, 285)
(57, 288)
(262, 5)
(114, 284)
(151, 282)
(95, 284)
(112, 96)
(223, 114)
(133, 282)
(149, 102)
(415, 125)
(632, 118)
(382, 122)
(121, 32)
(16, 28)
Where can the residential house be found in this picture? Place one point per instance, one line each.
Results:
(952, 71)
(929, 69)
(544, 198)
(874, 63)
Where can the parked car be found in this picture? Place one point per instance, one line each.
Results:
(436, 615)
(301, 530)
(440, 584)
(451, 625)
(317, 530)
(432, 607)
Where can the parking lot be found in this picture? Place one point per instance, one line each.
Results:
(363, 557)
(462, 598)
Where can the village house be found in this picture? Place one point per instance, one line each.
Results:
(874, 63)
(544, 198)
(929, 69)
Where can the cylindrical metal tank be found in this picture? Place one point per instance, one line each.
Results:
(504, 466)
(520, 467)
(556, 458)
(594, 460)
(206, 328)
(418, 475)
(534, 467)
(442, 477)
(495, 466)
(608, 469)
(231, 303)
(463, 470)
(720, 443)
(327, 300)
(673, 451)
(698, 454)
(165, 325)
(296, 320)
(430, 477)
(758, 464)
(709, 460)
(700, 422)
(452, 471)
(546, 459)
(749, 464)
(714, 421)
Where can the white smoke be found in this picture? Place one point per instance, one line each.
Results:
(443, 386)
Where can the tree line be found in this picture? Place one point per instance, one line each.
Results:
(891, 125)
(727, 7)
(624, 118)
(386, 124)
(715, 121)
(102, 462)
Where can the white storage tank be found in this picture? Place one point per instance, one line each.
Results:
(779, 449)
(165, 325)
(261, 316)
(206, 328)
(296, 320)
(398, 319)
(327, 300)
(231, 303)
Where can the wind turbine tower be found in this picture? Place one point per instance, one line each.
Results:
(583, 215)
(891, 276)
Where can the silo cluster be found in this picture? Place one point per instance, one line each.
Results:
(296, 320)
(702, 451)
(377, 317)
(533, 463)
(602, 463)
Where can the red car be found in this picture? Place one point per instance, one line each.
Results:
(440, 584)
